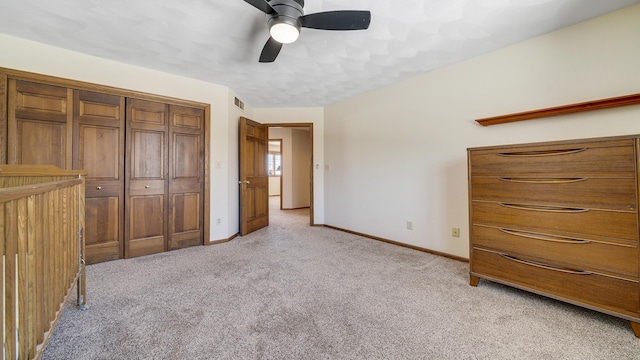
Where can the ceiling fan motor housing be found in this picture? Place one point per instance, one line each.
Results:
(288, 12)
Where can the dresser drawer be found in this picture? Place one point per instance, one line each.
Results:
(619, 258)
(601, 193)
(556, 220)
(614, 158)
(586, 287)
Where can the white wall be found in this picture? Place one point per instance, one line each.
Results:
(301, 152)
(34, 57)
(399, 154)
(304, 115)
(274, 185)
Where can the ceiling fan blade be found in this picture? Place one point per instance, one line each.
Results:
(261, 5)
(270, 51)
(337, 20)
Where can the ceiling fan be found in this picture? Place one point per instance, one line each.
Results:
(285, 18)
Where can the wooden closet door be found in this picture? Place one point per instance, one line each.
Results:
(98, 148)
(186, 171)
(39, 130)
(146, 178)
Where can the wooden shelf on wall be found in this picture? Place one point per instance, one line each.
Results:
(563, 110)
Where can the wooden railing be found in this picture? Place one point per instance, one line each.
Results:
(41, 222)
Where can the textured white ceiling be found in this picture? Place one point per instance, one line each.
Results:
(219, 41)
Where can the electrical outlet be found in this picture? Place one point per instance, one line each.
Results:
(218, 221)
(455, 232)
(410, 225)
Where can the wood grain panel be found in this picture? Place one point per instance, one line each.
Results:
(41, 143)
(144, 154)
(148, 116)
(102, 220)
(189, 119)
(102, 228)
(595, 159)
(106, 112)
(594, 289)
(600, 193)
(39, 128)
(186, 151)
(615, 257)
(41, 102)
(186, 212)
(100, 151)
(558, 221)
(146, 216)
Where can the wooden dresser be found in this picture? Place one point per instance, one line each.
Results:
(559, 219)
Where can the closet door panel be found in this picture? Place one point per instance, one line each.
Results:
(41, 143)
(99, 149)
(186, 174)
(146, 229)
(147, 178)
(39, 125)
(102, 229)
(146, 148)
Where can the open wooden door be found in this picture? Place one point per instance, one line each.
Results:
(254, 181)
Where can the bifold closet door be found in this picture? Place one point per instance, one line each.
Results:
(186, 172)
(39, 130)
(146, 171)
(98, 148)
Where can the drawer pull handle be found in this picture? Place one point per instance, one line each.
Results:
(554, 209)
(98, 187)
(552, 238)
(546, 266)
(543, 181)
(542, 153)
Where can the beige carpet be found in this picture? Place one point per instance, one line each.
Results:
(291, 291)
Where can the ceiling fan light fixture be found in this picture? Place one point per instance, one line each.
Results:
(284, 32)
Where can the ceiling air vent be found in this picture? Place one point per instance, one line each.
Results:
(239, 103)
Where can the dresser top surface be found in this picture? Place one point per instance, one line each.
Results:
(558, 142)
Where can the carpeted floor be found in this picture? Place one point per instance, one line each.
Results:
(291, 291)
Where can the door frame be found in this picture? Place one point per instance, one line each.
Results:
(311, 172)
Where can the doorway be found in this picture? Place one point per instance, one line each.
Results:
(254, 178)
(295, 173)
